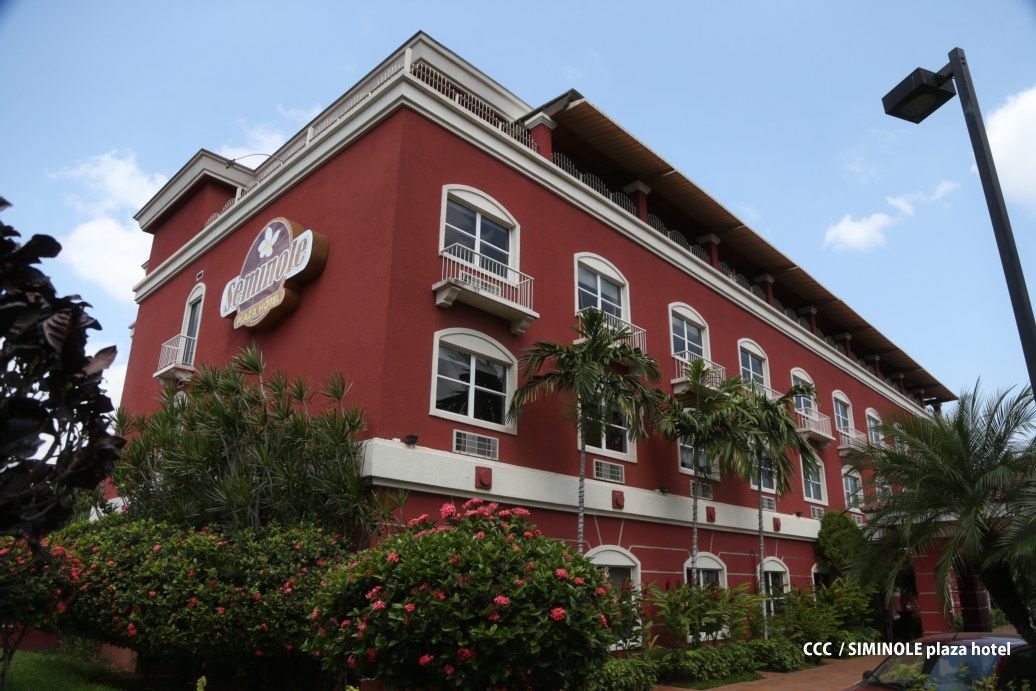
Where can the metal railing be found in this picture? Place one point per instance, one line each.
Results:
(772, 394)
(849, 438)
(682, 360)
(595, 183)
(485, 275)
(813, 420)
(637, 337)
(178, 350)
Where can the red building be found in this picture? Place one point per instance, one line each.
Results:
(452, 225)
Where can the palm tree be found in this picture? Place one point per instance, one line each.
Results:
(764, 432)
(603, 377)
(699, 417)
(962, 485)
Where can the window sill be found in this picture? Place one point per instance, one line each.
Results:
(628, 456)
(474, 422)
(818, 502)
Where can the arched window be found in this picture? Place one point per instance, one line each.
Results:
(776, 582)
(599, 284)
(473, 379)
(754, 365)
(843, 411)
(711, 570)
(804, 404)
(620, 563)
(478, 230)
(690, 333)
(873, 427)
(852, 486)
(191, 325)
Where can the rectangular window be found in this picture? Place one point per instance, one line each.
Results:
(816, 512)
(688, 338)
(471, 444)
(803, 404)
(873, 429)
(614, 435)
(752, 367)
(709, 577)
(769, 476)
(774, 590)
(609, 472)
(470, 229)
(769, 503)
(696, 462)
(814, 484)
(600, 293)
(843, 415)
(853, 487)
(470, 385)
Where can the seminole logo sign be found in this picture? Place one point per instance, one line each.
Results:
(281, 258)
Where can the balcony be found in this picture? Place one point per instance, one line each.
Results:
(772, 394)
(683, 360)
(176, 358)
(637, 337)
(814, 425)
(486, 284)
(849, 439)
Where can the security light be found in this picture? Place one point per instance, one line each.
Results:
(919, 95)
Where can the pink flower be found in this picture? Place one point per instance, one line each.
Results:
(392, 557)
(257, 597)
(5, 551)
(494, 617)
(362, 626)
(480, 534)
(156, 548)
(506, 513)
(346, 623)
(409, 607)
(151, 593)
(454, 560)
(447, 670)
(603, 619)
(561, 573)
(60, 607)
(351, 661)
(600, 591)
(441, 595)
(474, 501)
(131, 629)
(264, 626)
(447, 510)
(378, 604)
(578, 580)
(315, 614)
(557, 614)
(519, 511)
(192, 602)
(465, 653)
(372, 654)
(527, 535)
(289, 647)
(374, 591)
(417, 521)
(220, 611)
(502, 600)
(424, 660)
(530, 566)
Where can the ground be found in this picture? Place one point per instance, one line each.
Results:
(830, 674)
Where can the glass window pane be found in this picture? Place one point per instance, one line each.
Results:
(611, 291)
(496, 255)
(494, 235)
(193, 318)
(489, 406)
(490, 375)
(455, 237)
(451, 396)
(587, 280)
(620, 575)
(615, 438)
(454, 363)
(611, 308)
(460, 216)
(586, 299)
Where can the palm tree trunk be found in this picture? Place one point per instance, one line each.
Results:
(582, 495)
(694, 528)
(763, 590)
(1007, 598)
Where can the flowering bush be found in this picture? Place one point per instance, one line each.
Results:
(474, 600)
(231, 603)
(29, 595)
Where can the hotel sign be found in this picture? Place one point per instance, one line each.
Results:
(281, 258)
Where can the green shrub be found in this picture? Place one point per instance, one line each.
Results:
(475, 601)
(776, 654)
(30, 595)
(703, 613)
(802, 617)
(235, 603)
(840, 542)
(702, 664)
(624, 674)
(850, 603)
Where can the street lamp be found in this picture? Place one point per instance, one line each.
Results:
(920, 95)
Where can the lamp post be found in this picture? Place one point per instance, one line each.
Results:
(920, 95)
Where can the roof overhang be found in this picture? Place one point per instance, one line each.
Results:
(203, 165)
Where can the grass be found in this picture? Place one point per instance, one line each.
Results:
(55, 671)
(715, 683)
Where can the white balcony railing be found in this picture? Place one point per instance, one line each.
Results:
(487, 276)
(772, 394)
(683, 360)
(812, 421)
(177, 353)
(637, 336)
(849, 438)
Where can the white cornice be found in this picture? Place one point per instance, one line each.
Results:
(203, 163)
(414, 94)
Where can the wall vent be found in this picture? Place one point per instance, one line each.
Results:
(816, 512)
(478, 283)
(471, 444)
(769, 503)
(609, 472)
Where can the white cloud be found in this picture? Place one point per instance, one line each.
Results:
(259, 139)
(906, 203)
(573, 74)
(109, 253)
(298, 115)
(858, 166)
(114, 381)
(112, 181)
(1012, 137)
(858, 234)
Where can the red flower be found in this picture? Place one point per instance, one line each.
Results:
(561, 573)
(257, 597)
(220, 611)
(192, 602)
(192, 573)
(519, 511)
(392, 557)
(60, 607)
(600, 591)
(448, 510)
(447, 670)
(603, 619)
(454, 560)
(378, 604)
(156, 548)
(373, 591)
(362, 626)
(494, 617)
(506, 513)
(441, 595)
(501, 600)
(289, 647)
(410, 607)
(530, 566)
(465, 653)
(258, 652)
(351, 661)
(474, 501)
(480, 534)
(424, 660)
(315, 613)
(557, 614)
(371, 654)
(131, 629)
(578, 580)
(527, 535)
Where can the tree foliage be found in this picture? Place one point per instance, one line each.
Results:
(54, 422)
(840, 543)
(243, 448)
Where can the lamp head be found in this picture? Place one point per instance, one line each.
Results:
(918, 96)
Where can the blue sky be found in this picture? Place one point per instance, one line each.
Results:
(773, 107)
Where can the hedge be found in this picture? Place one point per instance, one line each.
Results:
(728, 659)
(624, 674)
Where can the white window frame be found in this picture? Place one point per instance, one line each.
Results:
(822, 501)
(839, 396)
(708, 560)
(629, 456)
(847, 471)
(775, 565)
(481, 203)
(755, 349)
(803, 375)
(615, 556)
(872, 415)
(197, 295)
(476, 343)
(604, 268)
(755, 485)
(714, 475)
(681, 310)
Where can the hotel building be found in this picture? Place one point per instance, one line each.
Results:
(429, 226)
